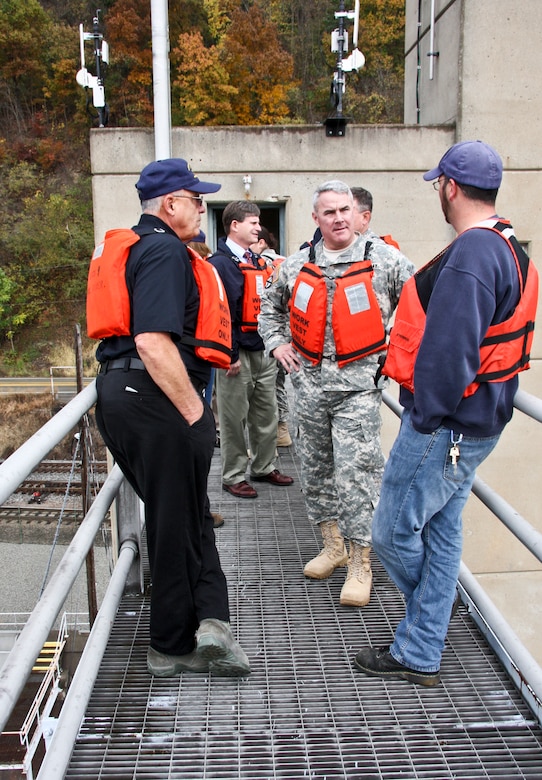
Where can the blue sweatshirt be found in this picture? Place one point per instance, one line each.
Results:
(476, 286)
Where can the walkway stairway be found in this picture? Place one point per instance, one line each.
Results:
(304, 712)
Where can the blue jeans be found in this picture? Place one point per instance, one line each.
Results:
(418, 535)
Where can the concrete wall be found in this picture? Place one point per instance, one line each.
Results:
(485, 80)
(485, 86)
(286, 164)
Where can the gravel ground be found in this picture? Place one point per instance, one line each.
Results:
(23, 568)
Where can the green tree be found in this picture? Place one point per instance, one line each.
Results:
(9, 322)
(47, 267)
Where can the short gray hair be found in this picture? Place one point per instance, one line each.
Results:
(152, 206)
(331, 186)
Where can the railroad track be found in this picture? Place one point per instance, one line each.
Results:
(36, 501)
(38, 514)
(51, 476)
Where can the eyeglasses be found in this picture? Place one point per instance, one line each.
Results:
(437, 183)
(198, 198)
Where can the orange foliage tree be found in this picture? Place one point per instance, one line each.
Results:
(260, 68)
(201, 89)
(129, 80)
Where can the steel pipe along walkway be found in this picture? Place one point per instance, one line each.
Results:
(304, 712)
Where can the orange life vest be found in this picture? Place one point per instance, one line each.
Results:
(505, 350)
(108, 303)
(254, 279)
(108, 300)
(390, 240)
(356, 319)
(212, 339)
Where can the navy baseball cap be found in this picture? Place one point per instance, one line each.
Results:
(164, 176)
(473, 163)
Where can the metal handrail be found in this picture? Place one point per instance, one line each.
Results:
(528, 404)
(19, 662)
(13, 471)
(25, 459)
(60, 748)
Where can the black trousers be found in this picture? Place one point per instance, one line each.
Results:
(167, 463)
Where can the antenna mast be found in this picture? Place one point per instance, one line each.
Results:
(86, 79)
(336, 123)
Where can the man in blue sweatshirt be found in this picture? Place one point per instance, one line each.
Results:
(463, 330)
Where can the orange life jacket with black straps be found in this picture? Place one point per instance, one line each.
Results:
(356, 319)
(108, 300)
(505, 350)
(254, 279)
(212, 339)
(390, 240)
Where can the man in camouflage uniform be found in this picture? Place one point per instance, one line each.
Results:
(337, 409)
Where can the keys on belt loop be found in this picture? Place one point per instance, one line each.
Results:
(455, 452)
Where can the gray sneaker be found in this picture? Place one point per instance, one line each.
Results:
(215, 644)
(162, 665)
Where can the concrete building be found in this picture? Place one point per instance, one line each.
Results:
(471, 72)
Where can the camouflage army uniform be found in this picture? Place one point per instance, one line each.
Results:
(337, 410)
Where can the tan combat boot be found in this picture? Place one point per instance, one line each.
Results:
(283, 435)
(334, 553)
(356, 590)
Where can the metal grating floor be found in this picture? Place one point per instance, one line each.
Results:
(304, 712)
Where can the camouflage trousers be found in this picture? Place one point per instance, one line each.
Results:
(282, 395)
(338, 443)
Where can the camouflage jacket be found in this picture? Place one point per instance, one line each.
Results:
(391, 270)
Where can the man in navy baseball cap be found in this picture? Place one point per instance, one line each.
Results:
(473, 163)
(164, 176)
(463, 331)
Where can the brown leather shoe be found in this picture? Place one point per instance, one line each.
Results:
(218, 520)
(241, 490)
(274, 478)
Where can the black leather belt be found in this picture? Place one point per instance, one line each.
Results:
(126, 364)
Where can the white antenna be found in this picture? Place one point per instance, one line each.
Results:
(86, 79)
(356, 25)
(336, 124)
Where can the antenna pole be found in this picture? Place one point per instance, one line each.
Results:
(339, 73)
(102, 118)
(86, 79)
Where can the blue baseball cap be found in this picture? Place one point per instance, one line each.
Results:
(473, 163)
(200, 238)
(164, 176)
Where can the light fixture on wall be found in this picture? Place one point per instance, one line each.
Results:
(247, 181)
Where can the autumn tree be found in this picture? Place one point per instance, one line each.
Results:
(258, 66)
(129, 78)
(376, 93)
(201, 90)
(304, 30)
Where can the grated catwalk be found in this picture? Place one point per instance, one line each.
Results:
(304, 712)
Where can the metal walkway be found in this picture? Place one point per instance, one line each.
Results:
(304, 712)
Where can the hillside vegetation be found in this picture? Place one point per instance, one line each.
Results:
(235, 62)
